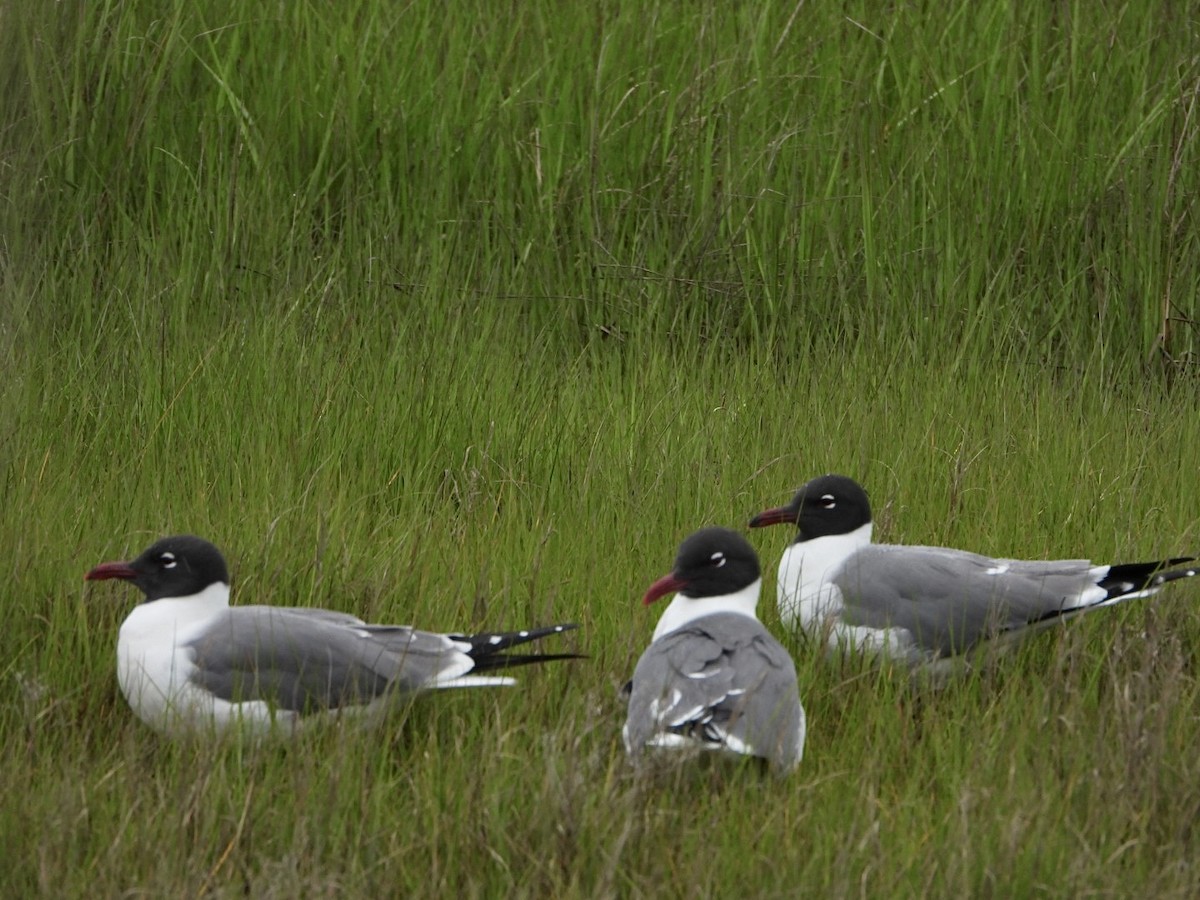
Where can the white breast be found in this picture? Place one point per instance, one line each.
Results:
(809, 599)
(154, 665)
(806, 595)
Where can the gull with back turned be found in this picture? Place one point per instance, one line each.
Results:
(713, 678)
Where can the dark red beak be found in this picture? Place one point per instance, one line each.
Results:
(668, 584)
(780, 515)
(107, 570)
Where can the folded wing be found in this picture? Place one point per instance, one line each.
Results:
(720, 681)
(302, 661)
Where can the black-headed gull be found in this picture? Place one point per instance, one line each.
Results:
(713, 677)
(927, 607)
(188, 661)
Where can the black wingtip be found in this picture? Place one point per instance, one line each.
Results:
(512, 660)
(1129, 578)
(488, 647)
(486, 642)
(702, 731)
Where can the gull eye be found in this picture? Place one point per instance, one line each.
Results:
(167, 560)
(828, 501)
(717, 559)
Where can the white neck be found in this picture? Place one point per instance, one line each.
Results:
(159, 619)
(807, 566)
(682, 610)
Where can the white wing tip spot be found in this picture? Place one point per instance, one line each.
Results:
(737, 745)
(522, 634)
(495, 639)
(996, 570)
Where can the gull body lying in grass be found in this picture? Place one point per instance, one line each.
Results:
(188, 661)
(927, 607)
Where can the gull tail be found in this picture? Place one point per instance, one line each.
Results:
(488, 648)
(1126, 581)
(1120, 582)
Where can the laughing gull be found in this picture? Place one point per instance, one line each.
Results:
(927, 607)
(713, 677)
(188, 661)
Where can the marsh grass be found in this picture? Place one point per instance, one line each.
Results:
(465, 319)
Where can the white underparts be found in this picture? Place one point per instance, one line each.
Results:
(807, 598)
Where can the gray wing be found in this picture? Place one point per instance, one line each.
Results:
(950, 600)
(327, 615)
(721, 679)
(306, 660)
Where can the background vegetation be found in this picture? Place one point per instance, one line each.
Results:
(465, 314)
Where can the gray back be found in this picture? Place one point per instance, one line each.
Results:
(302, 661)
(947, 599)
(722, 674)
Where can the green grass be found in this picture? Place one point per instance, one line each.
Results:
(464, 317)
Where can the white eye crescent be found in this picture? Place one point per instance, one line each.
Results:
(168, 560)
(718, 559)
(828, 501)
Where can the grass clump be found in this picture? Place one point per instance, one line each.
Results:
(462, 319)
